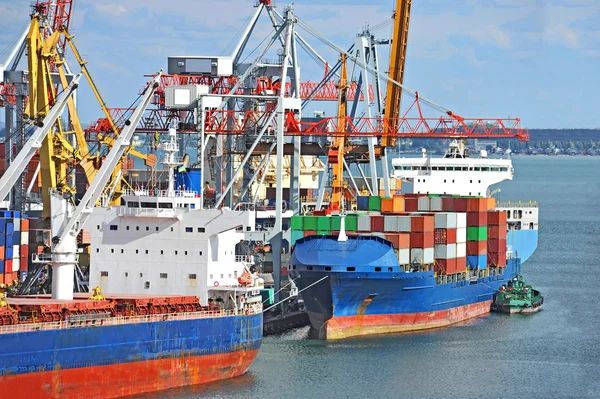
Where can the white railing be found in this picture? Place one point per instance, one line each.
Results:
(517, 204)
(150, 192)
(115, 321)
(148, 212)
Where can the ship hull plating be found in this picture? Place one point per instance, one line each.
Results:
(127, 359)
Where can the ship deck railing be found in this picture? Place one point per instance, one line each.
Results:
(143, 192)
(517, 204)
(121, 320)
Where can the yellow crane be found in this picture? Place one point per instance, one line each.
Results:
(337, 149)
(396, 71)
(57, 152)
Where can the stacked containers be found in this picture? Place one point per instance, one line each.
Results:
(401, 243)
(477, 233)
(422, 239)
(445, 242)
(496, 239)
(461, 242)
(14, 248)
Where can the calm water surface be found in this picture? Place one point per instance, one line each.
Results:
(552, 354)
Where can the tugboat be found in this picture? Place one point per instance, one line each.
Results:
(517, 297)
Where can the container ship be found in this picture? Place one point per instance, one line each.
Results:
(178, 306)
(412, 261)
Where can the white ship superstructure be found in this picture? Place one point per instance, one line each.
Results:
(455, 173)
(162, 242)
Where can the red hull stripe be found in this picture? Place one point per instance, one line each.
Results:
(125, 379)
(352, 326)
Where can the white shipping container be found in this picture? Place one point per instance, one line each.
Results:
(390, 223)
(16, 264)
(428, 255)
(461, 249)
(404, 224)
(423, 204)
(445, 251)
(364, 223)
(436, 204)
(461, 220)
(24, 237)
(445, 220)
(416, 255)
(461, 234)
(404, 256)
(16, 251)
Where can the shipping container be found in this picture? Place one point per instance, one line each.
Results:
(477, 204)
(422, 223)
(387, 205)
(477, 262)
(461, 234)
(296, 223)
(404, 256)
(497, 218)
(448, 204)
(422, 239)
(461, 220)
(496, 232)
(477, 248)
(17, 224)
(461, 264)
(374, 203)
(476, 233)
(25, 263)
(8, 252)
(497, 259)
(377, 223)
(399, 240)
(445, 266)
(351, 223)
(25, 237)
(460, 204)
(2, 253)
(477, 219)
(445, 220)
(421, 255)
(24, 224)
(295, 235)
(497, 246)
(445, 251)
(2, 267)
(16, 265)
(336, 223)
(390, 223)
(404, 224)
(363, 203)
(310, 223)
(16, 251)
(323, 223)
(423, 204)
(461, 249)
(411, 204)
(364, 223)
(435, 204)
(491, 203)
(445, 236)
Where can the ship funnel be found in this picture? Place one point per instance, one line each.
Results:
(343, 236)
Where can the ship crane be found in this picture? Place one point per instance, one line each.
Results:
(66, 222)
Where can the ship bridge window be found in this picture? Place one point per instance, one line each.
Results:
(465, 168)
(442, 168)
(189, 229)
(104, 274)
(503, 169)
(495, 169)
(407, 168)
(192, 276)
(192, 206)
(165, 205)
(477, 169)
(449, 168)
(434, 168)
(201, 230)
(114, 227)
(163, 275)
(133, 204)
(485, 169)
(147, 285)
(149, 205)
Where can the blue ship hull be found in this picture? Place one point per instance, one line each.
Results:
(129, 358)
(360, 289)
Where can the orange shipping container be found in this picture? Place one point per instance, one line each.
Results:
(392, 205)
(477, 204)
(399, 240)
(24, 264)
(497, 218)
(24, 224)
(461, 264)
(445, 266)
(497, 260)
(421, 224)
(476, 248)
(2, 254)
(491, 203)
(496, 232)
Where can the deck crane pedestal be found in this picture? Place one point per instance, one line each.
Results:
(66, 222)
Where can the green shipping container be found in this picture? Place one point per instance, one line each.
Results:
(296, 223)
(374, 203)
(351, 223)
(323, 223)
(268, 296)
(335, 223)
(295, 236)
(477, 233)
(310, 223)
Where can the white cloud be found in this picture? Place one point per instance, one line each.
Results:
(563, 35)
(114, 10)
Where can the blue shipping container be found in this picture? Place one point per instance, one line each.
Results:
(10, 227)
(17, 238)
(8, 253)
(9, 240)
(475, 262)
(2, 239)
(5, 214)
(1, 266)
(363, 203)
(16, 214)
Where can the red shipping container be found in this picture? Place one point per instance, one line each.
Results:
(24, 250)
(24, 224)
(399, 240)
(497, 246)
(461, 264)
(445, 266)
(421, 224)
(411, 204)
(477, 219)
(8, 278)
(445, 236)
(24, 264)
(448, 204)
(377, 223)
(309, 233)
(497, 232)
(497, 218)
(422, 239)
(460, 204)
(8, 265)
(476, 248)
(477, 204)
(497, 260)
(2, 252)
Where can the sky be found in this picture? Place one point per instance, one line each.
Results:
(537, 60)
